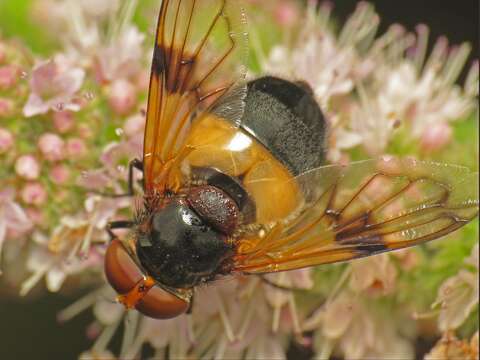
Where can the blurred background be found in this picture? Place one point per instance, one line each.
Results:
(28, 327)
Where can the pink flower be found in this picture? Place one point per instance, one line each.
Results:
(134, 125)
(63, 121)
(35, 215)
(121, 56)
(85, 131)
(6, 107)
(27, 167)
(60, 174)
(76, 147)
(375, 275)
(123, 97)
(34, 194)
(52, 147)
(53, 84)
(436, 136)
(286, 13)
(8, 76)
(6, 140)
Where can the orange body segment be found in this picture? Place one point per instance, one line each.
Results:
(219, 144)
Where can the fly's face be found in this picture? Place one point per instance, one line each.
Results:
(235, 181)
(136, 289)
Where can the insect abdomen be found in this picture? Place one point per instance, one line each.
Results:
(287, 120)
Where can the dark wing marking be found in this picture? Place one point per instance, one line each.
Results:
(199, 55)
(363, 209)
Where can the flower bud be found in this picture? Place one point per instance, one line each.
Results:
(52, 147)
(27, 167)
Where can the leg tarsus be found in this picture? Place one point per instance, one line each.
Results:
(190, 306)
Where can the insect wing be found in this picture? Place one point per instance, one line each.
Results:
(199, 56)
(362, 209)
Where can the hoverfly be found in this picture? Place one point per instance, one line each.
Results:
(234, 177)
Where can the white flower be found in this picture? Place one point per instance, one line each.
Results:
(358, 328)
(68, 251)
(327, 62)
(375, 275)
(458, 295)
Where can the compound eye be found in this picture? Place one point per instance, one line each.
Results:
(121, 271)
(160, 304)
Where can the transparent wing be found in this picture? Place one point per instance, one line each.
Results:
(199, 56)
(362, 209)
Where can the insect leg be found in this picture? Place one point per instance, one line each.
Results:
(190, 306)
(134, 164)
(121, 224)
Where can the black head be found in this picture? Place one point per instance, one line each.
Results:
(180, 249)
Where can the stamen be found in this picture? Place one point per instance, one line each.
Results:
(104, 339)
(87, 240)
(421, 47)
(426, 315)
(437, 57)
(293, 312)
(80, 305)
(178, 345)
(225, 320)
(138, 342)
(471, 82)
(276, 318)
(130, 329)
(73, 252)
(455, 64)
(190, 330)
(246, 321)
(221, 347)
(343, 278)
(326, 348)
(28, 284)
(323, 14)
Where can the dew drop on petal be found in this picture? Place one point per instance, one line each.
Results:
(119, 131)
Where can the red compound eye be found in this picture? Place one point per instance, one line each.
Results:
(121, 271)
(160, 304)
(127, 279)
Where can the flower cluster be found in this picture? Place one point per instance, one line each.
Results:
(374, 87)
(70, 123)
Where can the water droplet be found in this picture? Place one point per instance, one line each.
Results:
(119, 131)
